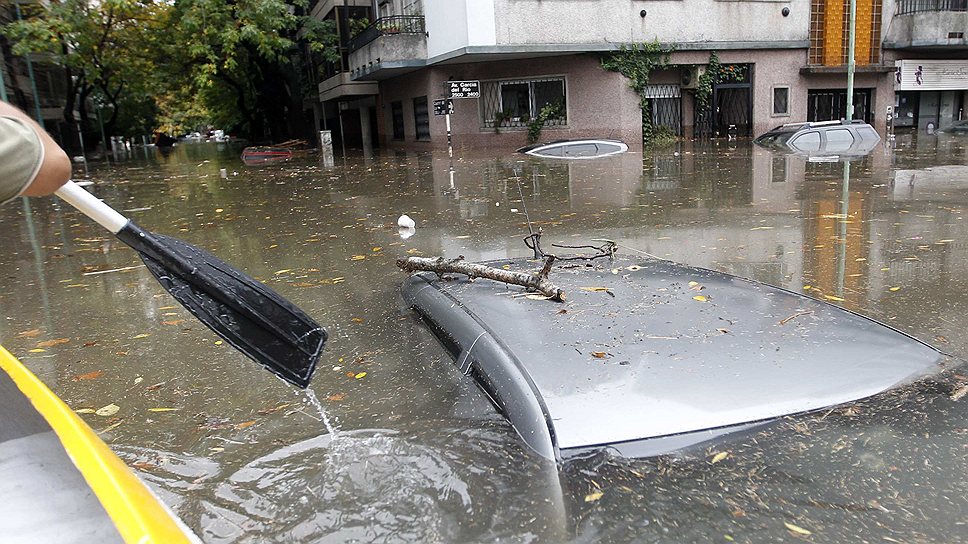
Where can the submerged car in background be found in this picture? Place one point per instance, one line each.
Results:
(576, 149)
(830, 140)
(645, 357)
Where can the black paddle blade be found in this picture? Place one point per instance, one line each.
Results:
(247, 314)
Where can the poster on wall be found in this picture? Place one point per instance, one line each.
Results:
(930, 75)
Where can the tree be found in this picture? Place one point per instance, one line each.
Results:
(105, 47)
(179, 63)
(249, 50)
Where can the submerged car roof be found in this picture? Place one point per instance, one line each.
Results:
(643, 350)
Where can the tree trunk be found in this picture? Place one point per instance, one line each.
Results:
(535, 282)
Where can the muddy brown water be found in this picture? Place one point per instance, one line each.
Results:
(413, 452)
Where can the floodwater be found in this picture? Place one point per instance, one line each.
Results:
(400, 447)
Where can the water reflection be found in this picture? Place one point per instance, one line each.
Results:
(420, 454)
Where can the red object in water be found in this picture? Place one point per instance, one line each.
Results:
(260, 155)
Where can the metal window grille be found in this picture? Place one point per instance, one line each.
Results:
(817, 31)
(914, 6)
(514, 103)
(665, 106)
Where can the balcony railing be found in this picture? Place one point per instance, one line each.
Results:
(916, 6)
(396, 24)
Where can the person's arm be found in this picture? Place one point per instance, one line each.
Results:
(35, 164)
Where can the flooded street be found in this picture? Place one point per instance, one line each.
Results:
(400, 447)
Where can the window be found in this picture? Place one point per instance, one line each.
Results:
(781, 101)
(396, 114)
(839, 139)
(809, 141)
(516, 103)
(867, 133)
(421, 118)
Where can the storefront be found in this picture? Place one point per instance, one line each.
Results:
(929, 94)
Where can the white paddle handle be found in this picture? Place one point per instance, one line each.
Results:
(92, 207)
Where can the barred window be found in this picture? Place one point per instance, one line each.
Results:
(515, 103)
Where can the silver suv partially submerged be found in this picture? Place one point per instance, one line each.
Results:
(825, 139)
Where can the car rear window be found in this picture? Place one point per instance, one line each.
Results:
(867, 133)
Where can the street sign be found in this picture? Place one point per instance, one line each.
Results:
(465, 89)
(443, 106)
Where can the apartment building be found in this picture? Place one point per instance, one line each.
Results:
(786, 61)
(927, 41)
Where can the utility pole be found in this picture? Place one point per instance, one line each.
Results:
(850, 61)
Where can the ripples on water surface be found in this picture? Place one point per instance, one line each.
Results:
(418, 454)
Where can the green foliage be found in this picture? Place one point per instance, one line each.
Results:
(716, 73)
(358, 25)
(554, 110)
(236, 62)
(106, 48)
(636, 62)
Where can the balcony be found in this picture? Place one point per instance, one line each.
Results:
(388, 47)
(928, 24)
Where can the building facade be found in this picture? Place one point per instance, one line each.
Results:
(779, 61)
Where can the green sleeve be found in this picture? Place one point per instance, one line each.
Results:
(21, 154)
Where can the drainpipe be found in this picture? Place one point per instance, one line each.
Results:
(376, 11)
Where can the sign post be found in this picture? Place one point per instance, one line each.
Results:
(456, 89)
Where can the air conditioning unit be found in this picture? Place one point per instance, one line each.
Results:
(691, 74)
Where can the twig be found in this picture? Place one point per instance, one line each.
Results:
(785, 320)
(536, 282)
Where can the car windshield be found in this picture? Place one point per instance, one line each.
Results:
(776, 136)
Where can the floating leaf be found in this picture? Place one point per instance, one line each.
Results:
(219, 342)
(29, 334)
(336, 398)
(138, 380)
(719, 457)
(162, 409)
(51, 343)
(85, 410)
(88, 376)
(145, 335)
(108, 410)
(700, 298)
(894, 289)
(245, 424)
(592, 497)
(356, 319)
(37, 350)
(377, 248)
(797, 529)
(173, 322)
(831, 297)
(283, 271)
(360, 375)
(693, 283)
(599, 354)
(357, 257)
